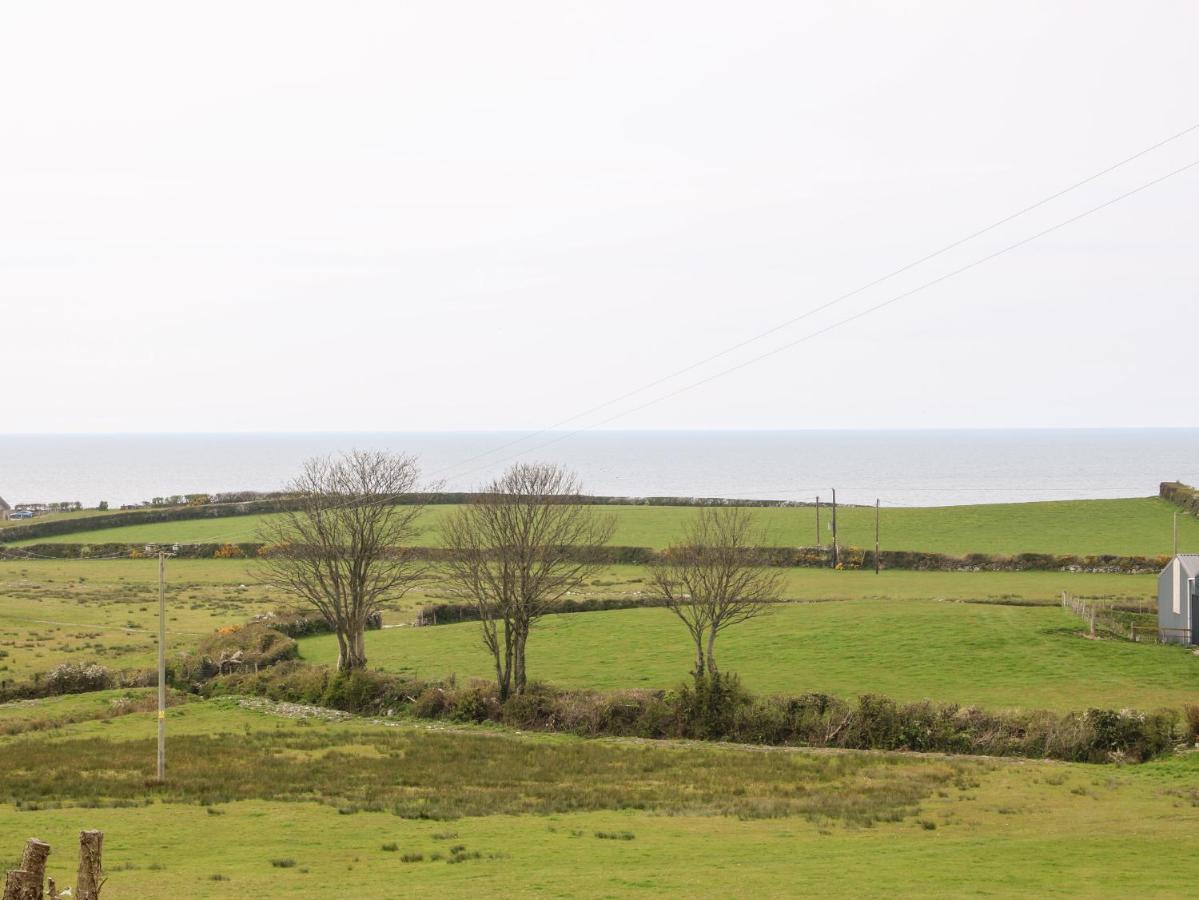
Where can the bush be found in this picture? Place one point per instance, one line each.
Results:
(237, 648)
(297, 623)
(1191, 713)
(711, 704)
(718, 708)
(77, 678)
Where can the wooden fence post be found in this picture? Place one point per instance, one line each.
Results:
(25, 883)
(91, 873)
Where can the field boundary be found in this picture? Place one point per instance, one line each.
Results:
(849, 558)
(1180, 495)
(270, 503)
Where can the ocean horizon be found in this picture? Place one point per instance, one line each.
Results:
(928, 467)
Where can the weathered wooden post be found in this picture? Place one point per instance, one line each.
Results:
(90, 878)
(25, 883)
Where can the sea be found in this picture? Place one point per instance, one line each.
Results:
(897, 468)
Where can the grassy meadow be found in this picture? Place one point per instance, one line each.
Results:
(321, 809)
(1141, 526)
(290, 803)
(106, 611)
(989, 655)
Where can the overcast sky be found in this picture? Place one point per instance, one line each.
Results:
(256, 216)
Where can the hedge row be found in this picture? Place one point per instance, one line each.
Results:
(251, 502)
(1181, 494)
(812, 557)
(74, 678)
(722, 710)
(298, 623)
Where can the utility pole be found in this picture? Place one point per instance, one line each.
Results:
(162, 664)
(876, 535)
(835, 559)
(162, 656)
(1175, 532)
(819, 539)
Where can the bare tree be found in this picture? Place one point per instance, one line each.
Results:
(341, 547)
(715, 579)
(515, 551)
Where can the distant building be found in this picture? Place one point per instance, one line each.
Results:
(5, 509)
(1177, 599)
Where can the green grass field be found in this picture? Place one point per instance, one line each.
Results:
(938, 827)
(262, 804)
(1124, 527)
(973, 654)
(106, 611)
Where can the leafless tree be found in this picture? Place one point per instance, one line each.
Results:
(715, 579)
(341, 545)
(515, 551)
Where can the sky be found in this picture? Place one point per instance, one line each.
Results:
(290, 216)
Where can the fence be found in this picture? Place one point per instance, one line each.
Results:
(28, 880)
(1174, 635)
(1103, 616)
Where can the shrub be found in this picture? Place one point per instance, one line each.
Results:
(297, 623)
(718, 708)
(238, 647)
(711, 704)
(1191, 712)
(77, 678)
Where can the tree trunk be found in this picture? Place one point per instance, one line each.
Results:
(712, 670)
(25, 883)
(699, 658)
(519, 677)
(351, 650)
(360, 647)
(503, 666)
(91, 873)
(343, 654)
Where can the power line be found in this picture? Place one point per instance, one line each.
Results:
(828, 328)
(853, 318)
(845, 296)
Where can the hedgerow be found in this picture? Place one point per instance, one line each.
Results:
(721, 709)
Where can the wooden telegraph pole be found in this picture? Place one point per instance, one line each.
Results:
(1175, 532)
(835, 555)
(162, 664)
(161, 770)
(818, 537)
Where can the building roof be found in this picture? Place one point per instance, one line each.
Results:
(1190, 564)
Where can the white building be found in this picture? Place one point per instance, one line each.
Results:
(1177, 598)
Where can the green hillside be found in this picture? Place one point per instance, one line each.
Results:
(1140, 526)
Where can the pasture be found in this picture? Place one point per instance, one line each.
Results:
(982, 654)
(315, 808)
(1139, 526)
(291, 803)
(106, 611)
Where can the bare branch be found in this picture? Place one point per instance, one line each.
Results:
(514, 553)
(342, 547)
(715, 579)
